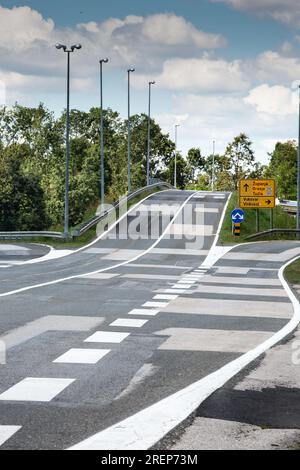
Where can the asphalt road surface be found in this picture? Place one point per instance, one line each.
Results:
(87, 352)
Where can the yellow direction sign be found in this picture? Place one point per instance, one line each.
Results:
(256, 202)
(259, 188)
(257, 194)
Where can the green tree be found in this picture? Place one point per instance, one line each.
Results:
(22, 204)
(240, 158)
(283, 167)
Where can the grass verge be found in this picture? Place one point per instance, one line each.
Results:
(280, 220)
(292, 273)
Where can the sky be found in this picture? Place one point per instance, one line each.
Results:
(221, 66)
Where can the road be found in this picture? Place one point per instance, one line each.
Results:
(123, 324)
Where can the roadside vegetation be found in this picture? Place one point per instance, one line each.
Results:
(292, 273)
(32, 168)
(281, 219)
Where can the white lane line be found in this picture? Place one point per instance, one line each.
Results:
(151, 312)
(109, 268)
(147, 427)
(128, 322)
(36, 389)
(187, 280)
(156, 304)
(6, 432)
(82, 356)
(165, 297)
(106, 337)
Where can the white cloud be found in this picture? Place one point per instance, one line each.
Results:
(204, 74)
(274, 100)
(272, 66)
(21, 27)
(172, 30)
(285, 11)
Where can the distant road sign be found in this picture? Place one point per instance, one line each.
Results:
(237, 216)
(257, 194)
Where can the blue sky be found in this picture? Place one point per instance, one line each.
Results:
(221, 66)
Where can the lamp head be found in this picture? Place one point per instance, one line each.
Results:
(61, 46)
(76, 46)
(152, 83)
(131, 70)
(104, 60)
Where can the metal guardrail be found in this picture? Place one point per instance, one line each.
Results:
(98, 218)
(86, 225)
(273, 231)
(20, 235)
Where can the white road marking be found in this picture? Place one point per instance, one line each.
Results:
(231, 270)
(215, 289)
(187, 280)
(6, 432)
(123, 254)
(109, 268)
(212, 210)
(82, 356)
(147, 427)
(177, 251)
(98, 251)
(128, 322)
(155, 304)
(192, 339)
(49, 323)
(232, 307)
(240, 280)
(182, 286)
(100, 276)
(192, 230)
(151, 276)
(106, 337)
(36, 389)
(175, 291)
(144, 311)
(165, 297)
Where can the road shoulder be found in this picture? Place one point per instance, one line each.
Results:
(258, 409)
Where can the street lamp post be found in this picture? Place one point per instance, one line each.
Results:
(213, 168)
(175, 162)
(101, 62)
(149, 133)
(129, 131)
(68, 51)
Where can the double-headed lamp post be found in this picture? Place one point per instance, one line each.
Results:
(68, 51)
(149, 133)
(129, 71)
(175, 161)
(101, 62)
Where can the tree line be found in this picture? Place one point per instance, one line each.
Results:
(32, 164)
